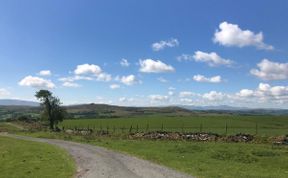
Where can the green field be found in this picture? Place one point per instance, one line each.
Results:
(200, 159)
(209, 160)
(262, 125)
(28, 159)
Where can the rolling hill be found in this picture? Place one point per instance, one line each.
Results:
(14, 102)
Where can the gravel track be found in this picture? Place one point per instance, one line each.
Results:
(98, 162)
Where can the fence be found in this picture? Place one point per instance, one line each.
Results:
(226, 129)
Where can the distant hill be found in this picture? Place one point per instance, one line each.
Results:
(236, 110)
(110, 111)
(14, 102)
(96, 111)
(15, 108)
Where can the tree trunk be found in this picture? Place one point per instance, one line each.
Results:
(51, 124)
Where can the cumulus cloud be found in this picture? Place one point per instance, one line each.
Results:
(214, 96)
(129, 80)
(269, 70)
(4, 92)
(185, 57)
(212, 59)
(164, 44)
(154, 66)
(232, 35)
(265, 93)
(84, 69)
(201, 78)
(104, 77)
(114, 86)
(88, 72)
(36, 82)
(70, 85)
(74, 78)
(186, 100)
(245, 93)
(124, 63)
(45, 73)
(265, 90)
(184, 94)
(158, 98)
(124, 99)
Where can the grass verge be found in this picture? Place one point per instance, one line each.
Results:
(26, 159)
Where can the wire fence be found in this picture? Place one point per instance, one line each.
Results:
(226, 129)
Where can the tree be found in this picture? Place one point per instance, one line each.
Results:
(53, 112)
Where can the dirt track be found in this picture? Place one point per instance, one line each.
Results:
(98, 162)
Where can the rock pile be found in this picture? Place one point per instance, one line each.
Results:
(79, 131)
(191, 136)
(280, 140)
(240, 138)
(176, 136)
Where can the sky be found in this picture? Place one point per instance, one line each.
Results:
(146, 53)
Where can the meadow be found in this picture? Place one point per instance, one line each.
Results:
(200, 159)
(28, 159)
(221, 124)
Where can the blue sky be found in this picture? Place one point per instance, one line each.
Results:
(172, 52)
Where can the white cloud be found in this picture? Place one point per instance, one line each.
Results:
(87, 69)
(184, 94)
(124, 63)
(88, 72)
(4, 92)
(265, 94)
(129, 80)
(245, 93)
(36, 82)
(213, 59)
(158, 98)
(124, 99)
(154, 66)
(269, 70)
(114, 86)
(186, 100)
(70, 85)
(214, 96)
(74, 78)
(164, 44)
(104, 77)
(201, 78)
(45, 73)
(232, 35)
(163, 80)
(185, 57)
(263, 86)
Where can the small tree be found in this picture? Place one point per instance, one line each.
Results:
(52, 112)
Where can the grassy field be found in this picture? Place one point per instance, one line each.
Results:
(28, 159)
(209, 160)
(200, 159)
(262, 125)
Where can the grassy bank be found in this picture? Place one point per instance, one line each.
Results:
(26, 159)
